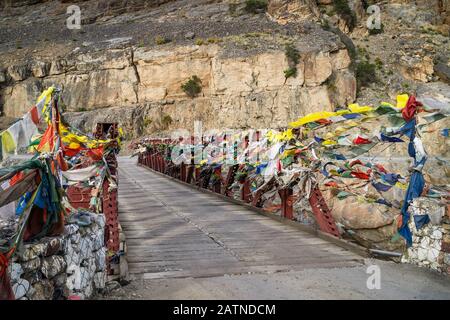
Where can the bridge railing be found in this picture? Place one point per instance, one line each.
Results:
(156, 158)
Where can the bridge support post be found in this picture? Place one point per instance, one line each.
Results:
(183, 172)
(218, 185)
(323, 214)
(287, 210)
(245, 192)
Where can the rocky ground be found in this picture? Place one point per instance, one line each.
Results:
(397, 282)
(410, 55)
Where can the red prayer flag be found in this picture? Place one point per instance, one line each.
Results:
(410, 110)
(360, 140)
(34, 115)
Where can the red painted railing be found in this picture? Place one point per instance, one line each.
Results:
(188, 173)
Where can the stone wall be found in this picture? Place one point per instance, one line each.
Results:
(431, 244)
(64, 267)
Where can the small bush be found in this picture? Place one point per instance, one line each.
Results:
(166, 121)
(343, 9)
(365, 73)
(147, 122)
(293, 58)
(199, 42)
(192, 87)
(379, 63)
(325, 25)
(214, 40)
(161, 40)
(255, 6)
(292, 54)
(376, 31)
(291, 72)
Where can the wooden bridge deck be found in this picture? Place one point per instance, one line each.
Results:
(176, 231)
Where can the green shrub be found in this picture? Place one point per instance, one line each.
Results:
(325, 25)
(365, 73)
(161, 40)
(255, 6)
(192, 87)
(290, 72)
(376, 31)
(166, 120)
(199, 41)
(292, 53)
(379, 63)
(343, 9)
(214, 40)
(147, 122)
(293, 58)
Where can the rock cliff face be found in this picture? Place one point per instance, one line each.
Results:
(242, 80)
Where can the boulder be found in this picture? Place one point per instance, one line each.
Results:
(43, 290)
(31, 265)
(417, 68)
(284, 11)
(362, 215)
(19, 72)
(442, 70)
(40, 69)
(2, 76)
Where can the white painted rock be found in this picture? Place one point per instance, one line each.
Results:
(15, 271)
(20, 288)
(100, 259)
(70, 229)
(433, 255)
(73, 281)
(86, 245)
(436, 235)
(422, 254)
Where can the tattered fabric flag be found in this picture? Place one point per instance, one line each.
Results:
(421, 220)
(35, 115)
(47, 141)
(410, 110)
(415, 188)
(390, 178)
(402, 100)
(361, 140)
(318, 139)
(360, 175)
(445, 132)
(8, 143)
(389, 139)
(381, 186)
(343, 194)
